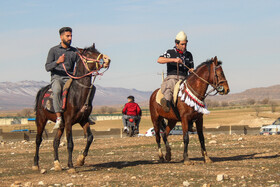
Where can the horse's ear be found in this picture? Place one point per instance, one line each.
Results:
(93, 45)
(215, 60)
(80, 50)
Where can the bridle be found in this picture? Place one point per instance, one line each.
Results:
(87, 61)
(216, 82)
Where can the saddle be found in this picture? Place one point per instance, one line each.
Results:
(47, 101)
(160, 95)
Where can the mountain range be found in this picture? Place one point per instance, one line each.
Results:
(19, 95)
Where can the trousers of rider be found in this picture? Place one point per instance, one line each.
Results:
(57, 83)
(168, 84)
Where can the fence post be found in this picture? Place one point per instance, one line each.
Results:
(230, 130)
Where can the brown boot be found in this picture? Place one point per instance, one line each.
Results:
(165, 105)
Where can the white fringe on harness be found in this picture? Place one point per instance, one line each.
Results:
(191, 100)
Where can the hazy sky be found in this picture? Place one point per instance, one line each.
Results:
(244, 34)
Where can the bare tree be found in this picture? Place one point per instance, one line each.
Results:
(111, 110)
(265, 101)
(103, 110)
(26, 112)
(273, 105)
(212, 104)
(251, 101)
(257, 109)
(224, 104)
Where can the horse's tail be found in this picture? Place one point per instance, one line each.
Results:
(40, 96)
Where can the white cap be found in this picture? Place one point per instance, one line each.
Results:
(181, 36)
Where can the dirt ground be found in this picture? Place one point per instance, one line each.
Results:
(240, 160)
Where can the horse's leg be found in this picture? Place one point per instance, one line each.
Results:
(185, 140)
(70, 146)
(169, 127)
(40, 123)
(199, 126)
(157, 122)
(56, 142)
(81, 158)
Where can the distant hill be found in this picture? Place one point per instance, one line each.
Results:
(18, 95)
(258, 94)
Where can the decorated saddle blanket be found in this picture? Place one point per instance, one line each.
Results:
(160, 95)
(187, 96)
(47, 101)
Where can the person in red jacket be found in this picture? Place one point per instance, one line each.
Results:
(131, 109)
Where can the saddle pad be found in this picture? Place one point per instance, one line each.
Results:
(47, 101)
(160, 95)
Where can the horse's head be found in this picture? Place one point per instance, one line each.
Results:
(218, 77)
(93, 59)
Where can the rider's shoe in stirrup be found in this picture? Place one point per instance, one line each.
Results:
(58, 123)
(91, 122)
(165, 105)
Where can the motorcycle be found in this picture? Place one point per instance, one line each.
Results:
(132, 127)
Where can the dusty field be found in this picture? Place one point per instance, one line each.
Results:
(243, 160)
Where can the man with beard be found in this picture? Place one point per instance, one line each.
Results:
(62, 53)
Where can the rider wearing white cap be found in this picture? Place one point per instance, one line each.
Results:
(175, 58)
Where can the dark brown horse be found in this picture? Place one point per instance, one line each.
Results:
(209, 72)
(78, 107)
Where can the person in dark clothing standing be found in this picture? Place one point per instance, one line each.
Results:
(175, 59)
(131, 109)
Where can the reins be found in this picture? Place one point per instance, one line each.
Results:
(85, 61)
(215, 87)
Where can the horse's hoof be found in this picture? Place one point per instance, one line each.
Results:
(71, 171)
(81, 160)
(57, 166)
(188, 163)
(208, 160)
(161, 160)
(168, 157)
(35, 168)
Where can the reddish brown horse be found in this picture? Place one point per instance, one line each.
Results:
(78, 107)
(209, 72)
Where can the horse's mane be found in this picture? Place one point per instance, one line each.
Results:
(91, 49)
(208, 63)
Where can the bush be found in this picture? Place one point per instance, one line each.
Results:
(224, 104)
(212, 104)
(27, 112)
(265, 101)
(257, 109)
(251, 101)
(273, 106)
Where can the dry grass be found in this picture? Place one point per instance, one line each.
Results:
(253, 161)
